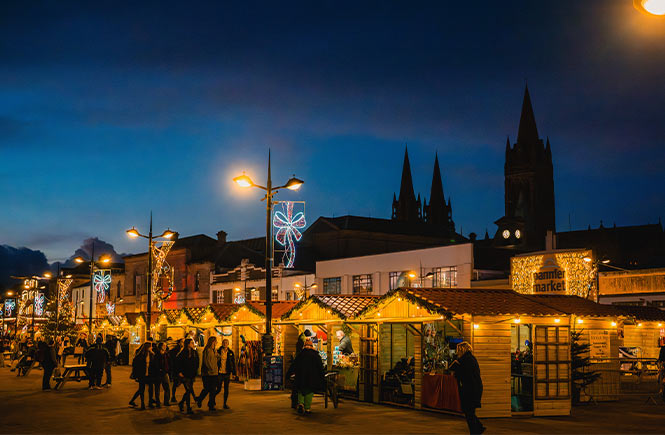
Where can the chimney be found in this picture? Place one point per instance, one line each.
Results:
(550, 241)
(221, 237)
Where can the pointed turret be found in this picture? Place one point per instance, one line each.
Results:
(406, 207)
(437, 212)
(527, 132)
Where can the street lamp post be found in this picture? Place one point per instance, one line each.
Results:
(105, 258)
(133, 232)
(293, 184)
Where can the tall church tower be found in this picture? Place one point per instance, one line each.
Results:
(438, 212)
(407, 208)
(529, 187)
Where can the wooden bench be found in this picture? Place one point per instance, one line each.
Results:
(74, 372)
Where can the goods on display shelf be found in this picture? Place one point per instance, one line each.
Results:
(249, 360)
(438, 349)
(397, 386)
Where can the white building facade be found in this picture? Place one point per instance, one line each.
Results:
(444, 266)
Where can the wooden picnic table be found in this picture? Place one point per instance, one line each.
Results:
(73, 372)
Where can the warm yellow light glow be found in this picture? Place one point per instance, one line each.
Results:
(580, 321)
(105, 259)
(557, 320)
(518, 234)
(654, 7)
(10, 293)
(168, 234)
(68, 276)
(79, 260)
(517, 320)
(660, 324)
(133, 233)
(243, 181)
(294, 183)
(476, 326)
(639, 324)
(587, 259)
(412, 275)
(297, 285)
(47, 275)
(314, 286)
(614, 323)
(378, 314)
(399, 299)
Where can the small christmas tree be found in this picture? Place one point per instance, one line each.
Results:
(65, 325)
(581, 375)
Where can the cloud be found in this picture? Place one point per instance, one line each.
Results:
(100, 248)
(20, 262)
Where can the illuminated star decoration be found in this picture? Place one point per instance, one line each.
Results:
(110, 308)
(10, 304)
(39, 304)
(288, 231)
(102, 283)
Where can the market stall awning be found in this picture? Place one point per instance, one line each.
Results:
(279, 308)
(330, 307)
(642, 313)
(474, 301)
(195, 313)
(576, 305)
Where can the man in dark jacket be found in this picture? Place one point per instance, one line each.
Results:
(310, 376)
(46, 357)
(467, 373)
(188, 364)
(227, 368)
(96, 356)
(299, 346)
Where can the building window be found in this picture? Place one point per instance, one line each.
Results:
(119, 292)
(197, 279)
(444, 277)
(394, 279)
(332, 286)
(218, 296)
(254, 294)
(275, 294)
(137, 284)
(362, 284)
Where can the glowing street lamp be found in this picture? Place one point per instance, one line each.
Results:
(650, 7)
(292, 184)
(134, 233)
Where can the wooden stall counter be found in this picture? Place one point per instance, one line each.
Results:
(439, 391)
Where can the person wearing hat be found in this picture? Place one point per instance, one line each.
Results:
(309, 376)
(299, 346)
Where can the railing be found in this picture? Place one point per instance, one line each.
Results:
(624, 377)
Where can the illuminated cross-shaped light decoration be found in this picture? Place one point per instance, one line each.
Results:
(110, 308)
(288, 231)
(102, 284)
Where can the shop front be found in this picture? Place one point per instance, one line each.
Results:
(339, 342)
(418, 330)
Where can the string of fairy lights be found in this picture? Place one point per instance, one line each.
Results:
(580, 275)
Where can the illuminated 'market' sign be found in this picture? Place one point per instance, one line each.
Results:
(550, 279)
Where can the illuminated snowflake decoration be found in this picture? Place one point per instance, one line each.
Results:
(102, 284)
(39, 304)
(288, 231)
(10, 305)
(110, 308)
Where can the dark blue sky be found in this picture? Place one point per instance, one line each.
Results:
(111, 109)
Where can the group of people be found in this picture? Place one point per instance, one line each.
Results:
(158, 367)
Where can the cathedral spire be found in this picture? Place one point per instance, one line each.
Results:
(437, 212)
(406, 207)
(406, 186)
(527, 132)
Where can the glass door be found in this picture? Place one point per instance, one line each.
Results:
(521, 368)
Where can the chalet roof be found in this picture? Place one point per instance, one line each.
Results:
(224, 311)
(576, 305)
(172, 315)
(132, 318)
(477, 301)
(194, 313)
(344, 306)
(279, 308)
(642, 313)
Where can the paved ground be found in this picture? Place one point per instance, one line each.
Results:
(26, 409)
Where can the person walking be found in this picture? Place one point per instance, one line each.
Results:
(161, 373)
(110, 349)
(48, 361)
(227, 368)
(97, 356)
(173, 357)
(309, 376)
(188, 364)
(209, 374)
(81, 346)
(140, 372)
(300, 344)
(470, 384)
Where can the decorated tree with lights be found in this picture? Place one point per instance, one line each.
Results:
(579, 363)
(65, 326)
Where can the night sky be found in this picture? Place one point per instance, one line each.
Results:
(111, 109)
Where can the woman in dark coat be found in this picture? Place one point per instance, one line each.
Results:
(310, 376)
(187, 363)
(140, 366)
(467, 373)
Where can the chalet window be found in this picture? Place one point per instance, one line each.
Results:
(332, 286)
(552, 362)
(444, 277)
(362, 284)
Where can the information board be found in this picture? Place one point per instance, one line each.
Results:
(599, 344)
(273, 373)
